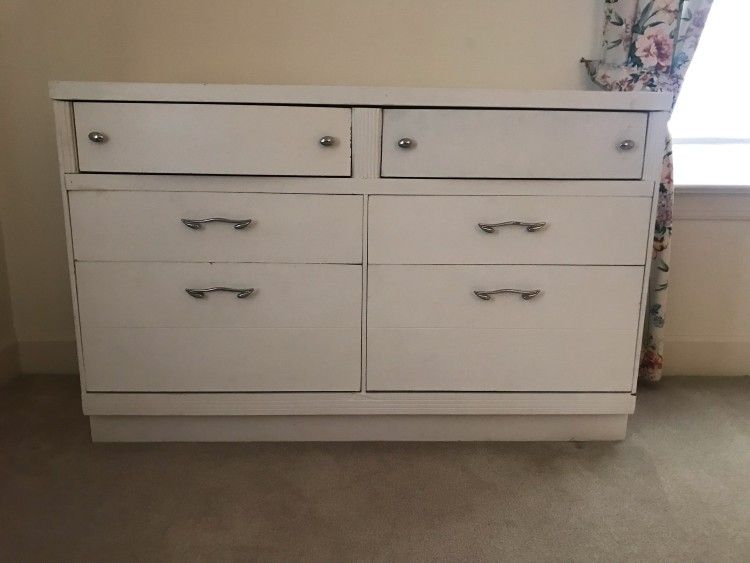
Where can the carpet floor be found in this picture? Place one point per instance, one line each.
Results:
(677, 489)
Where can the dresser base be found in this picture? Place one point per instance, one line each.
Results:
(443, 428)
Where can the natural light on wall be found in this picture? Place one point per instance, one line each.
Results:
(710, 125)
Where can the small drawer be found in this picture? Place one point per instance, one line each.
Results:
(151, 226)
(213, 139)
(437, 143)
(508, 230)
(296, 327)
(429, 331)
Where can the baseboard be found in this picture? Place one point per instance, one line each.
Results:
(706, 358)
(48, 357)
(448, 428)
(9, 365)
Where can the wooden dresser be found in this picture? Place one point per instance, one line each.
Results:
(340, 263)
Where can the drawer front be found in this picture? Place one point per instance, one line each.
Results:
(147, 226)
(445, 230)
(513, 144)
(222, 359)
(152, 295)
(213, 139)
(487, 359)
(429, 331)
(300, 329)
(587, 298)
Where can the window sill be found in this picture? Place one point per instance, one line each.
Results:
(704, 189)
(712, 203)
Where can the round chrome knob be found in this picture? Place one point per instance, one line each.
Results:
(405, 143)
(626, 145)
(97, 137)
(327, 141)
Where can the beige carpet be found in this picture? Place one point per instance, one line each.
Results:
(678, 489)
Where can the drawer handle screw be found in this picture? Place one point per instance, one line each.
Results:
(530, 227)
(201, 293)
(97, 137)
(526, 294)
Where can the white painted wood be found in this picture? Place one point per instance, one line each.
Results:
(480, 359)
(357, 428)
(366, 133)
(152, 294)
(712, 207)
(365, 277)
(443, 230)
(512, 144)
(67, 156)
(154, 355)
(68, 162)
(213, 139)
(590, 298)
(222, 359)
(147, 226)
(359, 96)
(237, 404)
(656, 140)
(401, 186)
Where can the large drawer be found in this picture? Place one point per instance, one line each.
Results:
(582, 297)
(213, 139)
(148, 226)
(445, 230)
(483, 359)
(442, 143)
(299, 330)
(428, 330)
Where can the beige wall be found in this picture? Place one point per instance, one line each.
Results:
(8, 358)
(469, 43)
(7, 335)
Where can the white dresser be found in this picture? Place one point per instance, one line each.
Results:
(339, 263)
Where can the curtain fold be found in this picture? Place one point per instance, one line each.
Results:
(648, 45)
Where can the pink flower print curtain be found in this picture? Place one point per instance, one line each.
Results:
(648, 45)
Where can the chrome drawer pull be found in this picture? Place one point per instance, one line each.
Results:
(327, 141)
(197, 224)
(531, 227)
(526, 294)
(405, 143)
(97, 137)
(201, 293)
(626, 145)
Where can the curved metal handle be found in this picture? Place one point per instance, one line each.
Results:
(197, 224)
(405, 143)
(327, 141)
(526, 294)
(201, 293)
(531, 227)
(97, 137)
(626, 145)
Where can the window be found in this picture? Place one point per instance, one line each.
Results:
(710, 125)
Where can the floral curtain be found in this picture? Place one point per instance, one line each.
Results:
(648, 45)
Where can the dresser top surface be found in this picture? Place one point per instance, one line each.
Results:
(360, 96)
